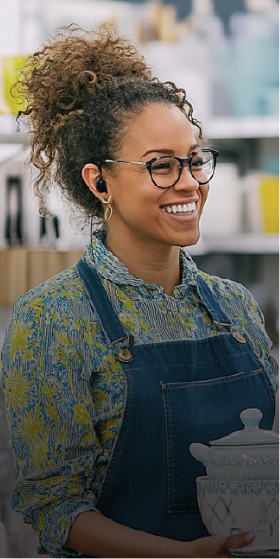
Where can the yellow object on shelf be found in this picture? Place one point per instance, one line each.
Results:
(269, 190)
(10, 66)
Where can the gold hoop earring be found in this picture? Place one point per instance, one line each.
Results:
(109, 210)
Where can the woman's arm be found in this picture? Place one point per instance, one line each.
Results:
(51, 416)
(95, 535)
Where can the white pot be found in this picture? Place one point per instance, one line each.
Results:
(250, 453)
(231, 507)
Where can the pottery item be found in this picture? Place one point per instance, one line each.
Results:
(231, 507)
(251, 453)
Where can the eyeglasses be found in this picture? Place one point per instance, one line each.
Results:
(165, 171)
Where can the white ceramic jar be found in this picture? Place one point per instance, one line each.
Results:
(248, 454)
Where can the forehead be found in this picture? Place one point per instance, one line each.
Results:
(158, 126)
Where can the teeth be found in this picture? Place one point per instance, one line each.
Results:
(181, 208)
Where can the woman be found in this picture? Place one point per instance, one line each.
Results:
(108, 367)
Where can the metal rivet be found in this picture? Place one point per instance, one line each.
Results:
(239, 338)
(124, 355)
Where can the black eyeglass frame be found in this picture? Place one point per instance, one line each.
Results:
(182, 161)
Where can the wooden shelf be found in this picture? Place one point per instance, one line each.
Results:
(23, 268)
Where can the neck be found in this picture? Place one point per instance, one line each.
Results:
(154, 264)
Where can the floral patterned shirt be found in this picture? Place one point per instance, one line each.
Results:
(65, 388)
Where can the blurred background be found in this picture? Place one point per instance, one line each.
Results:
(225, 54)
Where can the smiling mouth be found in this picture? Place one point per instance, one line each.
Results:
(184, 209)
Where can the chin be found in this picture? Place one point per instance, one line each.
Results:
(190, 239)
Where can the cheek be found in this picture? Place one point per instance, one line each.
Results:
(137, 196)
(204, 189)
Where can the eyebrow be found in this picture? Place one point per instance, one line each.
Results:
(168, 151)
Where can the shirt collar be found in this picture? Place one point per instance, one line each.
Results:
(110, 267)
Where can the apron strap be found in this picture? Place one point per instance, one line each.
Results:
(213, 307)
(101, 304)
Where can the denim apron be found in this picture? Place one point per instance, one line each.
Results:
(192, 390)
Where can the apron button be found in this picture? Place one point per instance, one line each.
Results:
(239, 338)
(124, 355)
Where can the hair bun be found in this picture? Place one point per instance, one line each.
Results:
(75, 59)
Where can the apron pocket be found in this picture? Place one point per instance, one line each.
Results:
(202, 411)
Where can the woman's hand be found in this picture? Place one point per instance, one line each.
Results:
(219, 547)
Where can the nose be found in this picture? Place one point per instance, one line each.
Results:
(186, 181)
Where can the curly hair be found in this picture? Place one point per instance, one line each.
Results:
(79, 91)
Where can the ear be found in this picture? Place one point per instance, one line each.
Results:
(90, 174)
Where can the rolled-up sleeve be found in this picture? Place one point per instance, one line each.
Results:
(260, 340)
(52, 419)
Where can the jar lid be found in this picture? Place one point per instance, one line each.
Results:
(251, 434)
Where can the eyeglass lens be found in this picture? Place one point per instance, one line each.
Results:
(165, 171)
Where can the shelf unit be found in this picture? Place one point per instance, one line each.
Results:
(215, 128)
(242, 127)
(247, 243)
(240, 131)
(27, 267)
(8, 130)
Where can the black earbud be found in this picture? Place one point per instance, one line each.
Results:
(101, 185)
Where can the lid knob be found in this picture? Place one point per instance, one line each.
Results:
(251, 418)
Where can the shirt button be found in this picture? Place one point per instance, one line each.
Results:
(239, 338)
